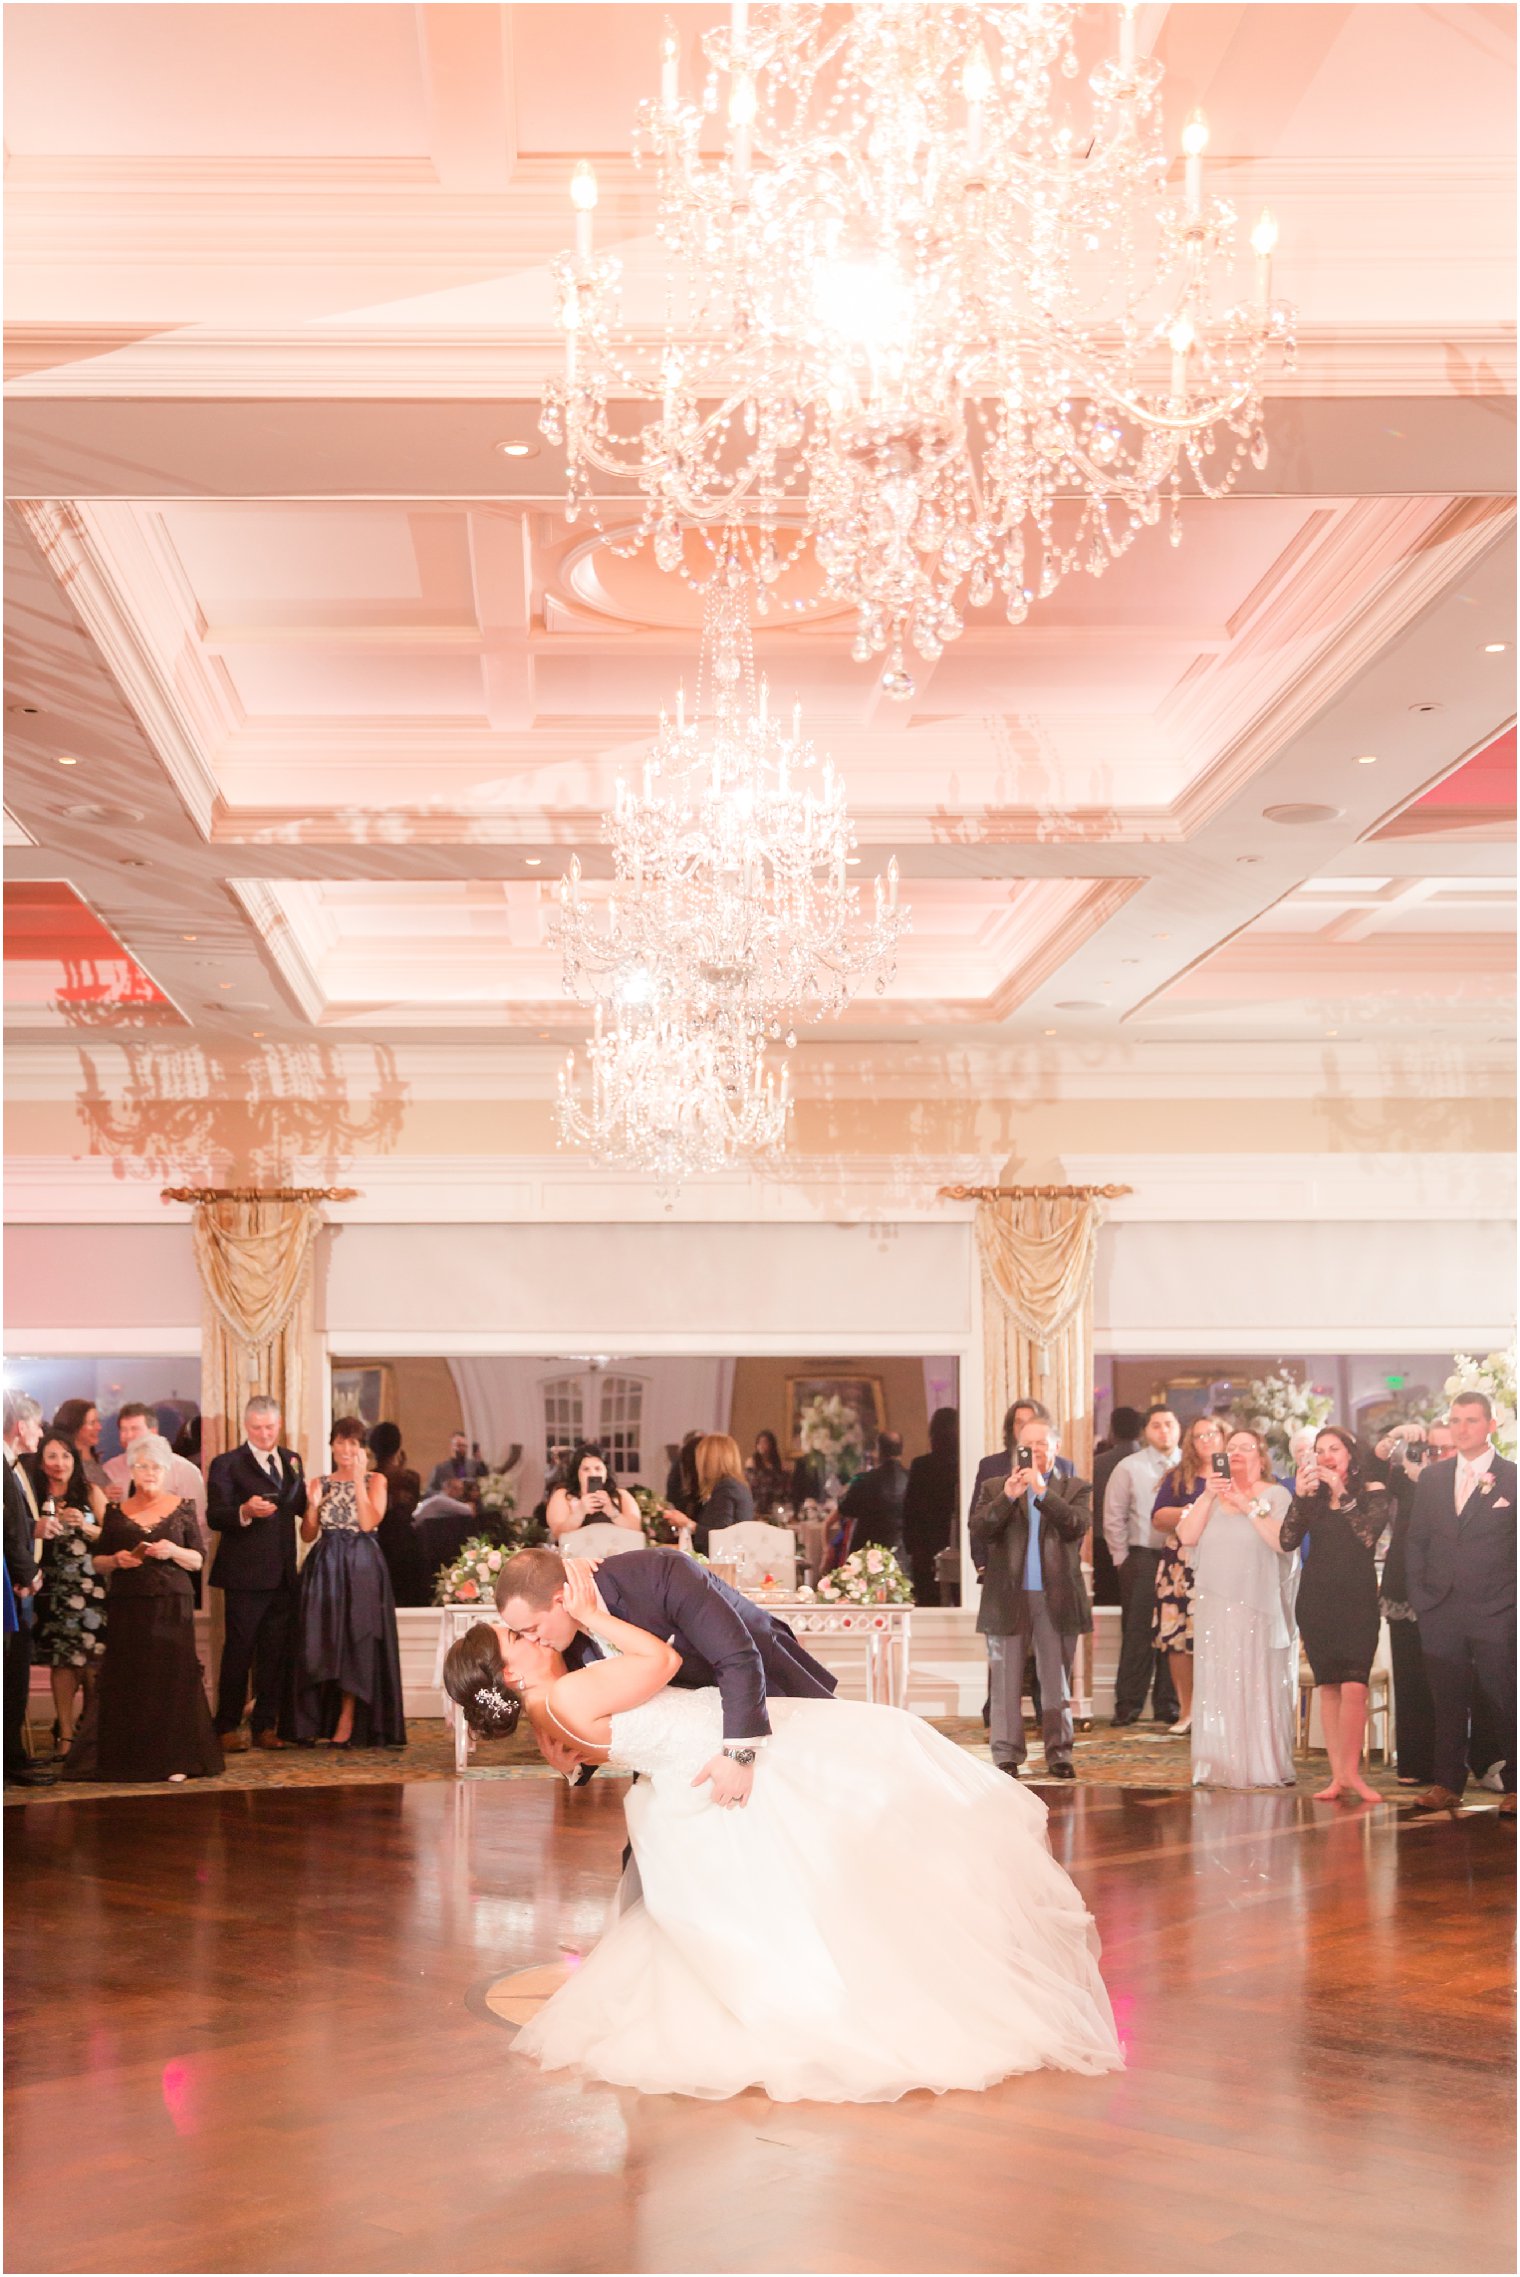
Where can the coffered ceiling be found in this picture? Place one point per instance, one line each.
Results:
(311, 690)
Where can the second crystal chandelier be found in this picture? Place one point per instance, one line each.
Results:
(923, 308)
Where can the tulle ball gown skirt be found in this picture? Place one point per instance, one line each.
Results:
(884, 1915)
(347, 1643)
(1243, 1691)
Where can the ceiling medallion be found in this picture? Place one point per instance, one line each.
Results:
(927, 310)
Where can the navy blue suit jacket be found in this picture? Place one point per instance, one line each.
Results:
(1459, 1571)
(722, 1638)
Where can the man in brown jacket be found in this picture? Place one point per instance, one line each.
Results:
(1029, 1527)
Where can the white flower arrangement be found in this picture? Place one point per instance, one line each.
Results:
(471, 1579)
(1278, 1405)
(827, 1427)
(871, 1576)
(498, 1496)
(1494, 1375)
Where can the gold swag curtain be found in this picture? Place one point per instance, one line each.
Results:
(1038, 1256)
(255, 1261)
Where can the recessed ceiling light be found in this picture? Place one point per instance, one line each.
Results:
(1080, 1004)
(1332, 1031)
(1300, 812)
(533, 861)
(1248, 859)
(1495, 647)
(257, 1031)
(130, 862)
(1424, 707)
(1161, 936)
(189, 936)
(852, 861)
(518, 450)
(68, 762)
(224, 984)
(1367, 759)
(1050, 1031)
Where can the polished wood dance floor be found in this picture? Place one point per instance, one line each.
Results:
(247, 2032)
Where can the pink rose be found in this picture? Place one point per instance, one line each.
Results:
(467, 1592)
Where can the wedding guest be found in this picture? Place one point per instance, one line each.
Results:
(348, 1656)
(1460, 1568)
(720, 1480)
(1126, 1429)
(396, 1535)
(71, 1628)
(1405, 1453)
(79, 1422)
(1344, 1517)
(148, 1718)
(682, 1493)
(457, 1464)
(1137, 1549)
(872, 1503)
(255, 1497)
(931, 1501)
(23, 1571)
(1245, 1657)
(591, 1496)
(138, 1421)
(1029, 1528)
(766, 1474)
(188, 1442)
(809, 1480)
(1172, 1629)
(1016, 1424)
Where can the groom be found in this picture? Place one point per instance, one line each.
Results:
(722, 1638)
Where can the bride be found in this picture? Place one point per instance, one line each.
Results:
(883, 1914)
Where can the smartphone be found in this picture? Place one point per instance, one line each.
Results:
(1220, 1465)
(1023, 1460)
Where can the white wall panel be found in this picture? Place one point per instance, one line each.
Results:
(99, 1278)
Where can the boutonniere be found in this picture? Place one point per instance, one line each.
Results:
(1486, 1483)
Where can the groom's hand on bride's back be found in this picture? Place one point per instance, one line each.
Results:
(731, 1781)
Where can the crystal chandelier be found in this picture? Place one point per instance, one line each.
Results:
(926, 309)
(731, 901)
(660, 1096)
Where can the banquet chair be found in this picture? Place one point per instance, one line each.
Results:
(759, 1550)
(600, 1540)
(1379, 1702)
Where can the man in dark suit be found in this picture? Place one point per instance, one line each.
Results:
(255, 1498)
(1459, 1568)
(722, 1638)
(458, 1464)
(23, 1430)
(1015, 1425)
(1126, 1430)
(872, 1504)
(1028, 1529)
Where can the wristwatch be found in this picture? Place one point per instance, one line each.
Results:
(743, 1756)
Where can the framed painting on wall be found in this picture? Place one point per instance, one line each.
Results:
(837, 1417)
(365, 1392)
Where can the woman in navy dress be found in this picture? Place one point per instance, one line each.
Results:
(348, 1670)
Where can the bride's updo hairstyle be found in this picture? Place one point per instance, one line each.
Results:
(475, 1681)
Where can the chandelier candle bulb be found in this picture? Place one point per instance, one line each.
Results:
(670, 64)
(1181, 337)
(1263, 243)
(1127, 45)
(583, 198)
(1195, 141)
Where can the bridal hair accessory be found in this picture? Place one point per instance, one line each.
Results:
(495, 1712)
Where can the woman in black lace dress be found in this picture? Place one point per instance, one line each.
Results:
(148, 1717)
(348, 1669)
(1344, 1517)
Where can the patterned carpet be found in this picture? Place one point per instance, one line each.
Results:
(1146, 1757)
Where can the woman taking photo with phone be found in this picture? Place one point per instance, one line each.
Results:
(590, 1497)
(1345, 1518)
(1179, 1490)
(1244, 1656)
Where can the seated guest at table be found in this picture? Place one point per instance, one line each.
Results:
(395, 1532)
(766, 1474)
(148, 1717)
(1245, 1645)
(348, 1659)
(591, 1496)
(70, 1633)
(681, 1489)
(79, 1422)
(457, 1464)
(1033, 1595)
(1126, 1433)
(872, 1504)
(725, 1497)
(1460, 1568)
(442, 1524)
(1172, 1618)
(930, 1503)
(1344, 1517)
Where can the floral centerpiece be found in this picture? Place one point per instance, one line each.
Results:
(658, 1531)
(1494, 1375)
(471, 1579)
(871, 1576)
(1278, 1405)
(827, 1427)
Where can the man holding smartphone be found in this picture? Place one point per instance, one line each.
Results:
(1028, 1528)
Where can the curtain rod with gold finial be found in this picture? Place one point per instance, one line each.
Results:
(1031, 1193)
(259, 1194)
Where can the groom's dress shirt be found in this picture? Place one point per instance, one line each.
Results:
(1469, 1471)
(1129, 1500)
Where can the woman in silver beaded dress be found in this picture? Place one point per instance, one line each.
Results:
(348, 1665)
(1244, 1657)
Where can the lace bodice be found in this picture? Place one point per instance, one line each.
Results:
(340, 1506)
(675, 1732)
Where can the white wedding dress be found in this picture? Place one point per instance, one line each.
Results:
(884, 1914)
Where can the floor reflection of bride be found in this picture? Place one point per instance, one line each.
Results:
(884, 1914)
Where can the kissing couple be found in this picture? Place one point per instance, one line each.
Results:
(790, 1848)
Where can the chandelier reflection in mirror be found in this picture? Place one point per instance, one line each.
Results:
(731, 918)
(926, 308)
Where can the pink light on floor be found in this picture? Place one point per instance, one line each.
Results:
(178, 2090)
